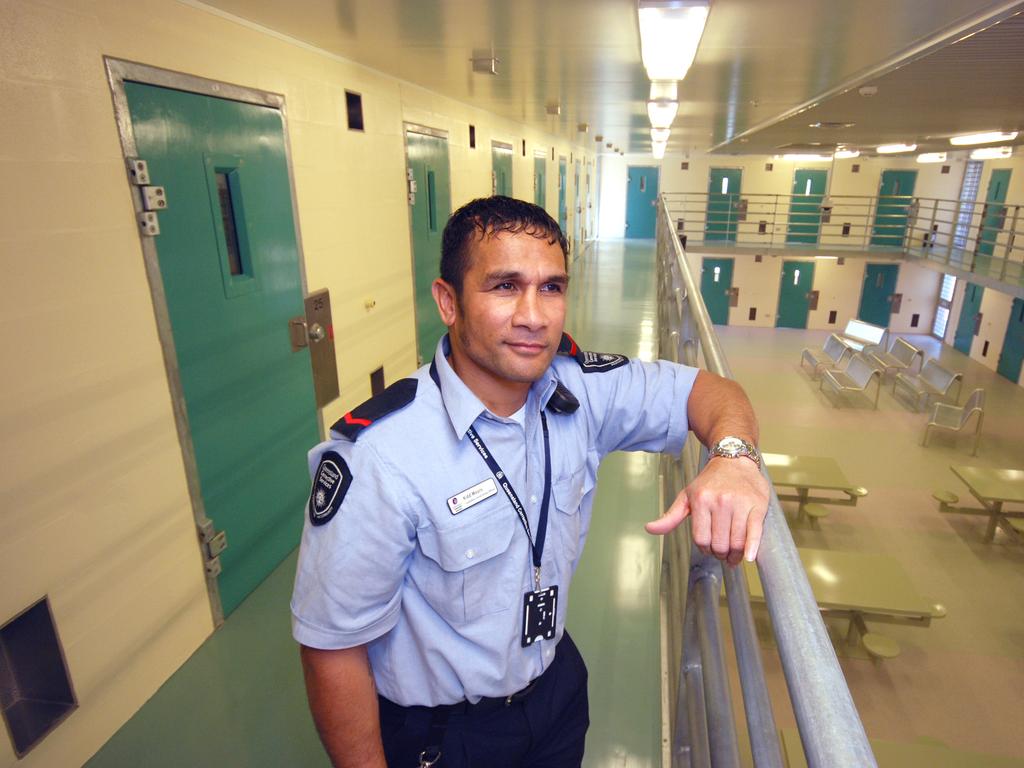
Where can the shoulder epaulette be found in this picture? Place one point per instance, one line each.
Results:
(590, 362)
(392, 399)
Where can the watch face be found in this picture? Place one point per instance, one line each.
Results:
(731, 445)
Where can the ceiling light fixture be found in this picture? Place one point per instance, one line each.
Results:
(982, 138)
(662, 112)
(846, 154)
(803, 157)
(664, 90)
(670, 31)
(992, 153)
(659, 134)
(658, 149)
(892, 149)
(932, 157)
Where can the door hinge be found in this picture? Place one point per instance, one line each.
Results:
(151, 198)
(214, 542)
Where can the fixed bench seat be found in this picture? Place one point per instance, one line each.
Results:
(855, 378)
(933, 381)
(900, 356)
(829, 356)
(954, 418)
(859, 334)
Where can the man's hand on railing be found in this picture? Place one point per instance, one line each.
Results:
(728, 501)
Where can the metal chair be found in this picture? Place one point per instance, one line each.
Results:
(954, 418)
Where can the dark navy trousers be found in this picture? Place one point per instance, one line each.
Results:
(546, 728)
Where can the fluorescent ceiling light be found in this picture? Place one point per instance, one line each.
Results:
(660, 135)
(662, 113)
(669, 35)
(658, 149)
(806, 158)
(992, 153)
(666, 90)
(892, 149)
(932, 157)
(982, 138)
(846, 154)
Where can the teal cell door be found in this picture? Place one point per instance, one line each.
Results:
(895, 194)
(876, 298)
(994, 214)
(563, 194)
(641, 195)
(229, 264)
(431, 206)
(723, 204)
(1012, 356)
(716, 288)
(501, 169)
(540, 180)
(794, 294)
(968, 318)
(805, 207)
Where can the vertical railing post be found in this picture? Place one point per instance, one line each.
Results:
(1009, 242)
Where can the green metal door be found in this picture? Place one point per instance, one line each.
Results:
(994, 214)
(805, 207)
(723, 204)
(876, 298)
(716, 288)
(968, 318)
(230, 270)
(428, 213)
(641, 195)
(794, 294)
(501, 167)
(540, 180)
(1012, 356)
(895, 194)
(563, 203)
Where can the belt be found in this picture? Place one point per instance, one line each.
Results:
(486, 704)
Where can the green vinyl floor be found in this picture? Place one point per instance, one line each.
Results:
(239, 700)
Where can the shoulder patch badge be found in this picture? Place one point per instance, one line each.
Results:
(330, 484)
(392, 399)
(590, 362)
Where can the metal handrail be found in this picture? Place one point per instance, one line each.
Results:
(830, 727)
(981, 237)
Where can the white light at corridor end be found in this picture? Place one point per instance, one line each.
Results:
(662, 112)
(669, 36)
(892, 149)
(932, 157)
(991, 137)
(846, 154)
(992, 153)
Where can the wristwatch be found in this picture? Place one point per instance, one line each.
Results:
(734, 447)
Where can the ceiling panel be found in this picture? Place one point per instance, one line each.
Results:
(757, 62)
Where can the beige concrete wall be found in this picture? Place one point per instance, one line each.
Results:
(96, 510)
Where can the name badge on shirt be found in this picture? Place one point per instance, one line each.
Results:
(470, 496)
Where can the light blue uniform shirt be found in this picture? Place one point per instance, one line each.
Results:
(437, 596)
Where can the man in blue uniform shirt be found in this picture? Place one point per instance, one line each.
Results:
(448, 514)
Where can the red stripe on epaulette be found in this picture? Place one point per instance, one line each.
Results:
(392, 399)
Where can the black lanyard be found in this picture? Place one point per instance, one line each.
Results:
(536, 546)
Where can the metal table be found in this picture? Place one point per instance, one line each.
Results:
(807, 474)
(992, 488)
(860, 587)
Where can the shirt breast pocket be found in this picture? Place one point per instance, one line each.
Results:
(468, 571)
(569, 492)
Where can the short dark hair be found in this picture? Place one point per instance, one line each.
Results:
(487, 216)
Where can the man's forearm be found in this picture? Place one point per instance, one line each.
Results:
(719, 407)
(343, 700)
